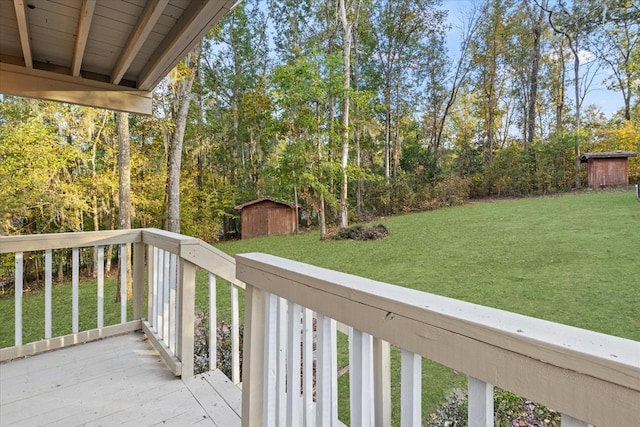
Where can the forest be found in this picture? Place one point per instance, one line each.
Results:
(352, 109)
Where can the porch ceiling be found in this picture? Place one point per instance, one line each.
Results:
(101, 53)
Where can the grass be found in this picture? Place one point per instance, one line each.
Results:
(571, 259)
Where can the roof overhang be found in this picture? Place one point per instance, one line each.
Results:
(100, 53)
(607, 155)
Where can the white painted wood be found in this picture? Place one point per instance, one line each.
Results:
(23, 29)
(150, 15)
(563, 367)
(138, 279)
(281, 363)
(166, 279)
(382, 382)
(19, 272)
(294, 363)
(235, 335)
(480, 412)
(123, 282)
(33, 348)
(253, 368)
(327, 372)
(84, 24)
(270, 359)
(100, 279)
(308, 407)
(159, 327)
(213, 323)
(411, 389)
(54, 86)
(115, 381)
(186, 314)
(568, 421)
(41, 242)
(172, 337)
(75, 291)
(197, 18)
(48, 282)
(360, 377)
(152, 285)
(153, 291)
(170, 359)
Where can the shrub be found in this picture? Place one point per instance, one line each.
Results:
(224, 348)
(360, 232)
(509, 410)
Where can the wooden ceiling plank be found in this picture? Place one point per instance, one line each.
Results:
(84, 24)
(196, 20)
(152, 12)
(23, 29)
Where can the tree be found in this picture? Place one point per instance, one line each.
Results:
(124, 197)
(347, 19)
(615, 40)
(181, 85)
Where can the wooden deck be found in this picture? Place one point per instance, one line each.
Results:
(116, 381)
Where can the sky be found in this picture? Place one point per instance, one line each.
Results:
(605, 100)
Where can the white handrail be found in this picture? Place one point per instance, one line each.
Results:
(587, 375)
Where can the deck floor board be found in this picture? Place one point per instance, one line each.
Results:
(116, 381)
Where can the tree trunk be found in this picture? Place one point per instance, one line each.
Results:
(124, 195)
(183, 99)
(346, 87)
(533, 95)
(321, 216)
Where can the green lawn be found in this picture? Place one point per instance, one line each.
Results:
(571, 259)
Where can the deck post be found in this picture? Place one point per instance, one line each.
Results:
(186, 309)
(253, 369)
(138, 279)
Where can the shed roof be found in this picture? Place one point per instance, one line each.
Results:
(608, 155)
(263, 199)
(102, 53)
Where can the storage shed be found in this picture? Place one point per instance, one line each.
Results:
(267, 217)
(608, 169)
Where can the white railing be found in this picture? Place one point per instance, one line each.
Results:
(591, 378)
(170, 261)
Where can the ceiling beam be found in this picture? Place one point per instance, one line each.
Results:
(84, 24)
(152, 12)
(33, 83)
(23, 28)
(196, 20)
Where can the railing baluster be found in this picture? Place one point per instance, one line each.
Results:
(293, 365)
(124, 283)
(411, 389)
(480, 403)
(138, 279)
(281, 363)
(213, 323)
(307, 367)
(100, 286)
(48, 282)
(235, 335)
(152, 283)
(159, 293)
(19, 262)
(172, 319)
(75, 291)
(382, 382)
(326, 372)
(157, 255)
(360, 377)
(270, 358)
(165, 297)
